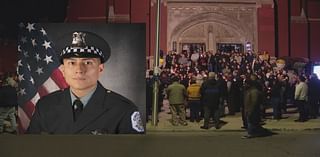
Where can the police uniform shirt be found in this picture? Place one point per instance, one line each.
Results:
(84, 100)
(105, 113)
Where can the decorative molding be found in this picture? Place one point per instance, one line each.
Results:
(231, 20)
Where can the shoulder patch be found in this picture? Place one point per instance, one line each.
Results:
(137, 122)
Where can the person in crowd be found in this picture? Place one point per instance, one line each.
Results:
(223, 95)
(301, 97)
(194, 100)
(239, 66)
(177, 95)
(314, 90)
(164, 81)
(231, 107)
(275, 97)
(149, 93)
(235, 96)
(267, 98)
(211, 92)
(252, 102)
(284, 81)
(11, 79)
(244, 86)
(8, 106)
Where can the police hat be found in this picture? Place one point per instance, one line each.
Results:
(83, 44)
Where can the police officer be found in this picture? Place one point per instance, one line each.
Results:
(86, 107)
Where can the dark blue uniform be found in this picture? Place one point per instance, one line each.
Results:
(106, 113)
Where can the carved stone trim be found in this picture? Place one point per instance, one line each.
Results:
(237, 16)
(243, 32)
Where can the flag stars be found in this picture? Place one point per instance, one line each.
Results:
(39, 70)
(20, 77)
(43, 32)
(23, 39)
(26, 54)
(31, 80)
(22, 91)
(46, 44)
(48, 59)
(34, 43)
(17, 69)
(37, 57)
(20, 63)
(19, 48)
(29, 68)
(30, 27)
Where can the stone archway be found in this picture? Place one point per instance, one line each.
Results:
(227, 24)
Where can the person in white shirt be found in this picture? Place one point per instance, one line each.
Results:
(301, 97)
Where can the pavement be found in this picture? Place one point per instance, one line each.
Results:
(234, 123)
(163, 144)
(292, 139)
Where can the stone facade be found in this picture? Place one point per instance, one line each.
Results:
(211, 22)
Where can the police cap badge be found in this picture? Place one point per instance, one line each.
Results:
(83, 44)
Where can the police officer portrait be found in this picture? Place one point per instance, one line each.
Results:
(103, 68)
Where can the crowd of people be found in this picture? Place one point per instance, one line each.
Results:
(206, 84)
(213, 81)
(8, 103)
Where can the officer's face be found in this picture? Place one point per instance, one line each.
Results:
(82, 74)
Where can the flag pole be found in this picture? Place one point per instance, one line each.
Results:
(156, 71)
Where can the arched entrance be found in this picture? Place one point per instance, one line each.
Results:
(228, 24)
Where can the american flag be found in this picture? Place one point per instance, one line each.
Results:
(37, 69)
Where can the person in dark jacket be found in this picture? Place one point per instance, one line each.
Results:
(252, 102)
(86, 107)
(275, 98)
(149, 89)
(211, 93)
(314, 90)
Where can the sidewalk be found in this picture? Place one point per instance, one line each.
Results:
(234, 123)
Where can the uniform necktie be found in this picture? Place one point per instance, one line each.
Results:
(77, 109)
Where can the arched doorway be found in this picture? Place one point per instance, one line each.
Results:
(235, 24)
